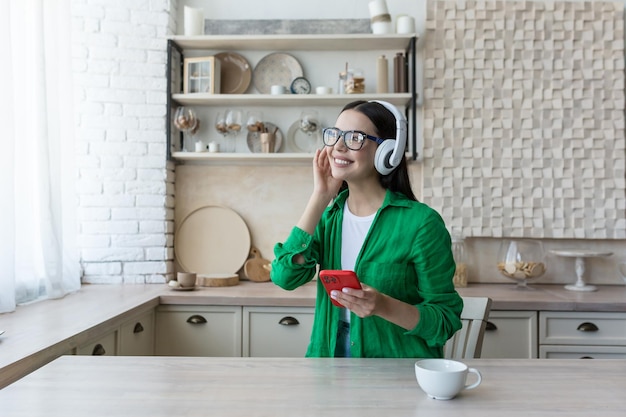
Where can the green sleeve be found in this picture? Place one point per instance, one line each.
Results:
(285, 272)
(441, 305)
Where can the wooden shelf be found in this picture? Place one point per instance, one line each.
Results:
(204, 99)
(225, 158)
(244, 158)
(354, 42)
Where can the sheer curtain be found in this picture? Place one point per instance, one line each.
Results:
(38, 253)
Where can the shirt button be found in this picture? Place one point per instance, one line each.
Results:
(351, 343)
(304, 245)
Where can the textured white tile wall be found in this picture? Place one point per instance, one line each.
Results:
(524, 118)
(126, 189)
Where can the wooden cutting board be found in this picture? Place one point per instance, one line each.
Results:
(256, 268)
(218, 280)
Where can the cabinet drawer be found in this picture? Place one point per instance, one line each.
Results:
(511, 334)
(106, 345)
(137, 336)
(198, 331)
(276, 331)
(579, 328)
(582, 352)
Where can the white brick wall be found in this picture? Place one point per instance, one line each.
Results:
(125, 185)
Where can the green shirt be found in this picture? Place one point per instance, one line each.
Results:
(406, 255)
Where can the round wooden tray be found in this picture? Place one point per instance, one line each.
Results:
(212, 240)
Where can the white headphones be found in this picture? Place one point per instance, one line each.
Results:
(390, 153)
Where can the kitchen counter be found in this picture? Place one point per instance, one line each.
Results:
(610, 298)
(228, 387)
(37, 333)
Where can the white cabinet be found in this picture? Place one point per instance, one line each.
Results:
(276, 331)
(137, 336)
(323, 57)
(131, 337)
(198, 331)
(511, 334)
(582, 335)
(105, 345)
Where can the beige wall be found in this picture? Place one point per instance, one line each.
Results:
(270, 199)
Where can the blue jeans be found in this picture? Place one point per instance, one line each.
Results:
(342, 348)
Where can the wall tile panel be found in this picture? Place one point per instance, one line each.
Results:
(524, 118)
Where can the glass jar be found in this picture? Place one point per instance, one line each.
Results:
(341, 88)
(458, 252)
(355, 81)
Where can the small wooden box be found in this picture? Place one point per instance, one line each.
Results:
(201, 75)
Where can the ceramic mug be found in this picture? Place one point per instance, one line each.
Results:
(186, 279)
(443, 379)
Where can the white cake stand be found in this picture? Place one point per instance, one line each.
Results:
(580, 256)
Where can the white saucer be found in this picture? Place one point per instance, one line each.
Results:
(183, 288)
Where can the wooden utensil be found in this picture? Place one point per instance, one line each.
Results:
(255, 269)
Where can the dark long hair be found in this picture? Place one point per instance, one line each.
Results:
(385, 123)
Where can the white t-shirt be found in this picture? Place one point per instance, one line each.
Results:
(354, 231)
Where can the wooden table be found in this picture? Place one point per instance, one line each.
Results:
(176, 387)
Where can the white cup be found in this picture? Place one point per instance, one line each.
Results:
(194, 21)
(323, 90)
(405, 24)
(443, 379)
(277, 89)
(214, 147)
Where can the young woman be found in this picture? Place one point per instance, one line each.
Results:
(398, 247)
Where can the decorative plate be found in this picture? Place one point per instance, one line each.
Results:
(254, 141)
(212, 239)
(304, 141)
(235, 73)
(276, 69)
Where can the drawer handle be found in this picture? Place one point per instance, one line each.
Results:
(196, 319)
(587, 327)
(98, 350)
(289, 321)
(490, 327)
(138, 328)
(586, 357)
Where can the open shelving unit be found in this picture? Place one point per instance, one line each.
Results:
(351, 43)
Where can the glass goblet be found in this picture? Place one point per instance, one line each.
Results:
(186, 121)
(254, 122)
(234, 121)
(521, 260)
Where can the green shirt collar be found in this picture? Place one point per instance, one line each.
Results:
(391, 199)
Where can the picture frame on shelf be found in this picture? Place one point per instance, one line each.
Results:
(201, 75)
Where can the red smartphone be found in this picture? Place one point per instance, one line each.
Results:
(334, 279)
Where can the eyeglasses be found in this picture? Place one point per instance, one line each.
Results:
(353, 139)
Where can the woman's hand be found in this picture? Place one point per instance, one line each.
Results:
(323, 181)
(325, 188)
(368, 302)
(361, 302)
